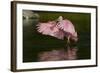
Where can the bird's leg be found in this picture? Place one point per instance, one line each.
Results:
(68, 41)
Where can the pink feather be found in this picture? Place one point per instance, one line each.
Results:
(68, 27)
(51, 29)
(60, 29)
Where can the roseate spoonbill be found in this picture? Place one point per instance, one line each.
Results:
(59, 29)
(68, 28)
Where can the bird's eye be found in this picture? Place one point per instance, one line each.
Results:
(58, 23)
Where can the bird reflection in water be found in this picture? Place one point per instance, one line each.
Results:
(60, 54)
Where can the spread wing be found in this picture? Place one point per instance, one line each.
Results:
(50, 29)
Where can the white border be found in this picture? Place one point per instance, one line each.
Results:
(21, 65)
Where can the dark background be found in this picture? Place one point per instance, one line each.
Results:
(34, 42)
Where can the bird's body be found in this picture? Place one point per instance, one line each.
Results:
(68, 28)
(59, 29)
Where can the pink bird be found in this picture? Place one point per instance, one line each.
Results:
(68, 28)
(59, 29)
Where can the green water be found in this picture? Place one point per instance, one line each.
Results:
(34, 42)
